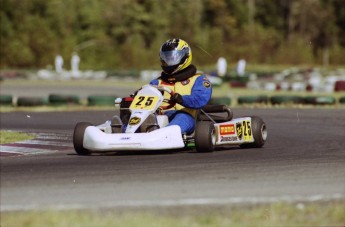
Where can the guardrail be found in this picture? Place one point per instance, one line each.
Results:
(108, 100)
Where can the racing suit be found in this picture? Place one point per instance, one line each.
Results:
(195, 91)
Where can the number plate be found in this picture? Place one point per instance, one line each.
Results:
(142, 102)
(244, 130)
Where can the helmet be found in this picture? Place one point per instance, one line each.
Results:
(175, 55)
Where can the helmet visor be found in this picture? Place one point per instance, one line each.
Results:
(173, 57)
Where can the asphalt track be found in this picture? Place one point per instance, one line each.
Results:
(303, 160)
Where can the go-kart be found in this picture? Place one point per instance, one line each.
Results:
(142, 125)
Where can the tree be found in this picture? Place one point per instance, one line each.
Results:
(128, 33)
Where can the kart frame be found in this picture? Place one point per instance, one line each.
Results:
(215, 126)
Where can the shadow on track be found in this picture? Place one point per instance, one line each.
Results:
(160, 152)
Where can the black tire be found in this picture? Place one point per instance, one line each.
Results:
(252, 99)
(282, 99)
(205, 138)
(101, 100)
(78, 138)
(259, 132)
(32, 101)
(220, 101)
(56, 99)
(6, 99)
(342, 100)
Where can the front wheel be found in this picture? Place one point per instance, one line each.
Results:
(78, 138)
(259, 131)
(205, 137)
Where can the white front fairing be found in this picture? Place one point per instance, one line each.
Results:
(165, 138)
(142, 108)
(162, 120)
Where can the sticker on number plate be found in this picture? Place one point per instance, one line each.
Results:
(244, 130)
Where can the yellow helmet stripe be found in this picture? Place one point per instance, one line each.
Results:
(182, 44)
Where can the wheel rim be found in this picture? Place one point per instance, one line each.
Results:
(213, 137)
(264, 132)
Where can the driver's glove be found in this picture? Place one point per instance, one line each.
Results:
(176, 97)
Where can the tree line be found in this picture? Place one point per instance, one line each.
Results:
(125, 34)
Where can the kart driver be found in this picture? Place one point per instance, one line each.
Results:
(192, 90)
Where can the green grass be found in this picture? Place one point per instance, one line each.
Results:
(10, 137)
(277, 214)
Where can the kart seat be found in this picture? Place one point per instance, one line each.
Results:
(218, 113)
(125, 113)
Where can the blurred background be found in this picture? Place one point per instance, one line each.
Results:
(269, 45)
(127, 34)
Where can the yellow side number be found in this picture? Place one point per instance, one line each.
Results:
(247, 131)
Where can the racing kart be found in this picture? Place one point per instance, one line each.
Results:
(143, 126)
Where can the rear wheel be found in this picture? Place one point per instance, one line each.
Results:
(259, 132)
(205, 137)
(78, 138)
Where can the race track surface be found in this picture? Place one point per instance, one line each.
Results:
(303, 160)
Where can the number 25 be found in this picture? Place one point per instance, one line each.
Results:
(247, 129)
(142, 98)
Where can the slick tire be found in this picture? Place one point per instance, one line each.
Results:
(78, 138)
(259, 132)
(205, 137)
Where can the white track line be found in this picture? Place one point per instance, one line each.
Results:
(24, 150)
(179, 202)
(57, 140)
(42, 142)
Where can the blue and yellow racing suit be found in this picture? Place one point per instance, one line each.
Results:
(196, 92)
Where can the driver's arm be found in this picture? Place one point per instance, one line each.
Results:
(154, 82)
(201, 94)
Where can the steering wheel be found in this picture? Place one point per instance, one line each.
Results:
(171, 103)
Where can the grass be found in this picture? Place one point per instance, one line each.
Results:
(10, 137)
(276, 214)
